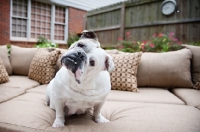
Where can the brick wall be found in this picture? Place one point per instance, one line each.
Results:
(4, 22)
(76, 20)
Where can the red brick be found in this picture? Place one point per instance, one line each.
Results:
(4, 22)
(76, 20)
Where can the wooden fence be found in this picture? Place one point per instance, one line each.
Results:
(143, 18)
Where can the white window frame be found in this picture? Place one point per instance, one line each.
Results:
(28, 38)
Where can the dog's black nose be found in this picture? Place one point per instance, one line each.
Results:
(74, 60)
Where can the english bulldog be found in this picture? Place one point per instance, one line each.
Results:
(83, 82)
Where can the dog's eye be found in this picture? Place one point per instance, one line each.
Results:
(92, 63)
(81, 45)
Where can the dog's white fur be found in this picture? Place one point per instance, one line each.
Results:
(64, 90)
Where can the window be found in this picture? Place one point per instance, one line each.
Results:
(31, 19)
(40, 20)
(19, 19)
(59, 23)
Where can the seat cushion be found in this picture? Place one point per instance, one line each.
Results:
(7, 93)
(29, 113)
(169, 70)
(5, 59)
(21, 66)
(147, 95)
(198, 107)
(189, 96)
(22, 82)
(38, 89)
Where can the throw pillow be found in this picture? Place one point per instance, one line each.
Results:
(197, 85)
(124, 75)
(42, 68)
(3, 73)
(5, 59)
(195, 65)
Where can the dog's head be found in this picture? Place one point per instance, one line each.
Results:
(87, 41)
(86, 59)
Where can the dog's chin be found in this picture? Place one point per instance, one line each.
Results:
(77, 74)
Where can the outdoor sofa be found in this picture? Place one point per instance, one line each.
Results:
(164, 96)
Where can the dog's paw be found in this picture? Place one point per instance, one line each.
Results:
(101, 119)
(58, 124)
(55, 124)
(46, 103)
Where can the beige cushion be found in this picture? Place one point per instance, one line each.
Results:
(3, 73)
(123, 77)
(198, 107)
(146, 95)
(22, 82)
(7, 93)
(189, 96)
(42, 68)
(39, 89)
(113, 51)
(29, 113)
(170, 69)
(5, 59)
(195, 66)
(21, 59)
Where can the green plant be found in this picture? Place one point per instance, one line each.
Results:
(9, 48)
(42, 42)
(71, 39)
(197, 43)
(157, 43)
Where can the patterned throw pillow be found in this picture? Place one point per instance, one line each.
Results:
(3, 73)
(123, 77)
(42, 68)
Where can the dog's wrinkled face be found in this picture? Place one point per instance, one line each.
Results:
(75, 61)
(89, 64)
(86, 58)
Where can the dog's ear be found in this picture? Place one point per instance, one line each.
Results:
(109, 64)
(89, 34)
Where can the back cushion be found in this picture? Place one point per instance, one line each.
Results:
(5, 59)
(170, 69)
(195, 66)
(21, 59)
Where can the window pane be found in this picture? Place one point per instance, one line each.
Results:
(19, 18)
(59, 27)
(59, 32)
(19, 27)
(20, 8)
(60, 15)
(40, 19)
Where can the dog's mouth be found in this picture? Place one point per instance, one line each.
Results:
(75, 63)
